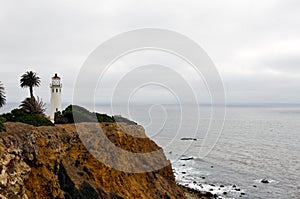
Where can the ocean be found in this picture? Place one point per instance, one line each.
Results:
(255, 143)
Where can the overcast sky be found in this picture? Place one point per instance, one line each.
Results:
(254, 44)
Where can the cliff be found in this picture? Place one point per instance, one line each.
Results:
(52, 162)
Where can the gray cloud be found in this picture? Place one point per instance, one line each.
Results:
(57, 36)
(283, 63)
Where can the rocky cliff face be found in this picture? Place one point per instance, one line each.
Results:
(52, 162)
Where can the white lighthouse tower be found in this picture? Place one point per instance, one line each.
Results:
(55, 87)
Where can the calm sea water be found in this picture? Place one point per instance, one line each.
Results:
(257, 142)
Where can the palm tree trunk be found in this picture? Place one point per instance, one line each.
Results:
(31, 91)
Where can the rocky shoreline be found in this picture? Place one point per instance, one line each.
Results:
(199, 185)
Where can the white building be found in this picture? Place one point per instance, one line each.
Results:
(55, 87)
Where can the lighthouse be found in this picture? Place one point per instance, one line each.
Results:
(55, 88)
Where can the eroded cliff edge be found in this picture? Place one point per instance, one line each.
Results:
(52, 162)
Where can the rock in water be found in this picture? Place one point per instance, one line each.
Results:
(265, 181)
(52, 162)
(193, 139)
(190, 158)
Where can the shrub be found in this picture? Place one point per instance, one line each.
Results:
(66, 116)
(33, 106)
(19, 115)
(104, 118)
(119, 118)
(60, 119)
(2, 127)
(83, 115)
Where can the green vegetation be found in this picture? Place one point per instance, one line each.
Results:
(2, 127)
(30, 80)
(33, 106)
(83, 115)
(104, 118)
(120, 119)
(66, 116)
(19, 115)
(31, 110)
(2, 95)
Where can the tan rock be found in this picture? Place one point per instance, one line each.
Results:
(52, 162)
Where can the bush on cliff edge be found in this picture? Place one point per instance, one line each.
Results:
(19, 115)
(83, 115)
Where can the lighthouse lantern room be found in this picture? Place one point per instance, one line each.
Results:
(55, 87)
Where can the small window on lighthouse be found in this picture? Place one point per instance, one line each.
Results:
(57, 90)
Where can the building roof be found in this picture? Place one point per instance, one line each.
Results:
(55, 76)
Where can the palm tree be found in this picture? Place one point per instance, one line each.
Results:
(30, 79)
(2, 95)
(33, 106)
